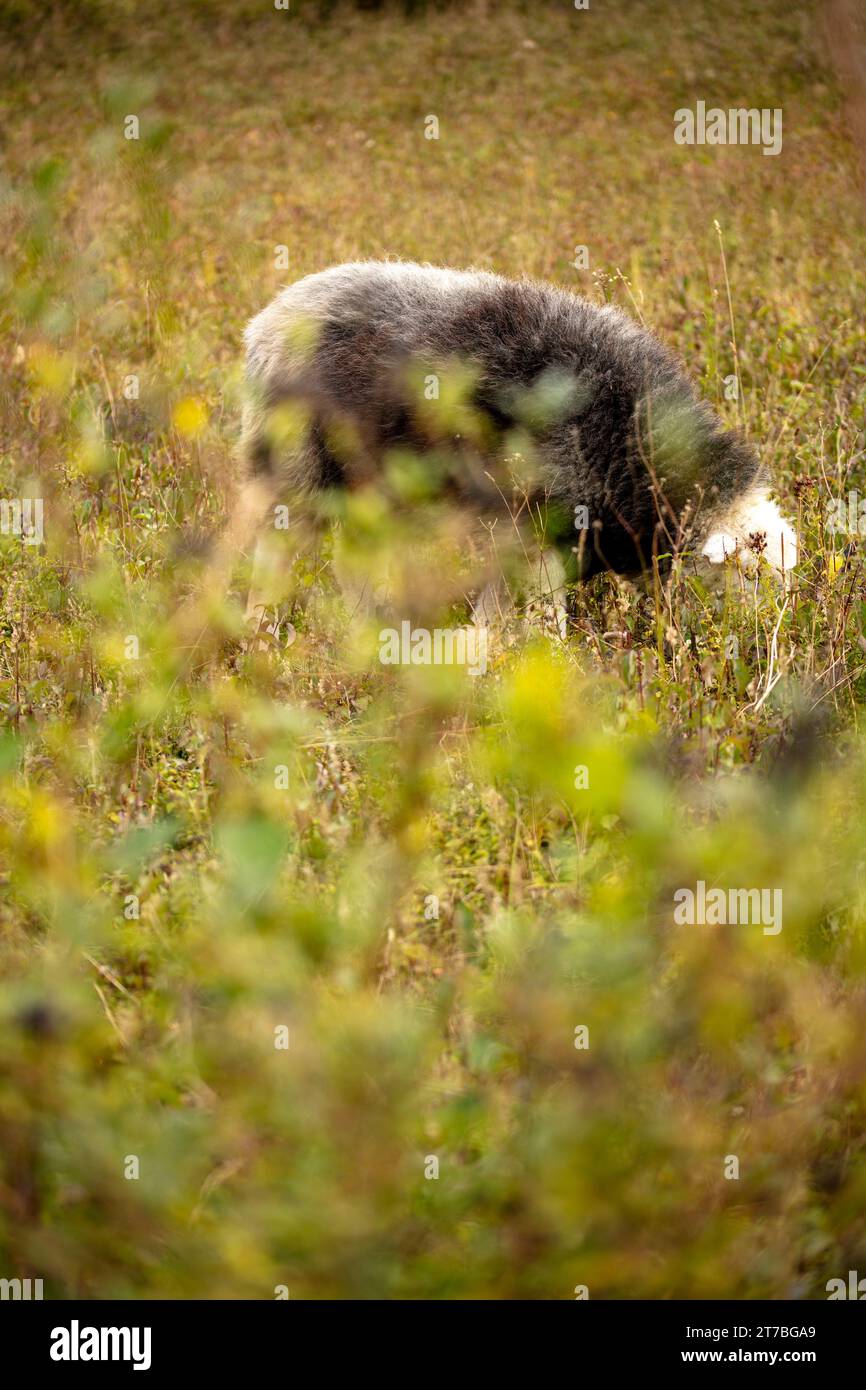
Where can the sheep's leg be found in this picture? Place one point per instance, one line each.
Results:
(276, 551)
(546, 597)
(491, 605)
(548, 592)
(262, 614)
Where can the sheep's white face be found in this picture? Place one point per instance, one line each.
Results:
(750, 530)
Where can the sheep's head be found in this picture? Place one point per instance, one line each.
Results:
(749, 531)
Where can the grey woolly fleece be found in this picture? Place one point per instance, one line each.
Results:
(615, 424)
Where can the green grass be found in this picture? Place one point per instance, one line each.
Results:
(423, 898)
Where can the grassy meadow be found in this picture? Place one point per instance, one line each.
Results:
(322, 978)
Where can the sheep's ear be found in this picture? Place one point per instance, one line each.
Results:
(718, 546)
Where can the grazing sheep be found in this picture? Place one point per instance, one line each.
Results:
(630, 467)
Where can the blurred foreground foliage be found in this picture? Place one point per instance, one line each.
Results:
(401, 872)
